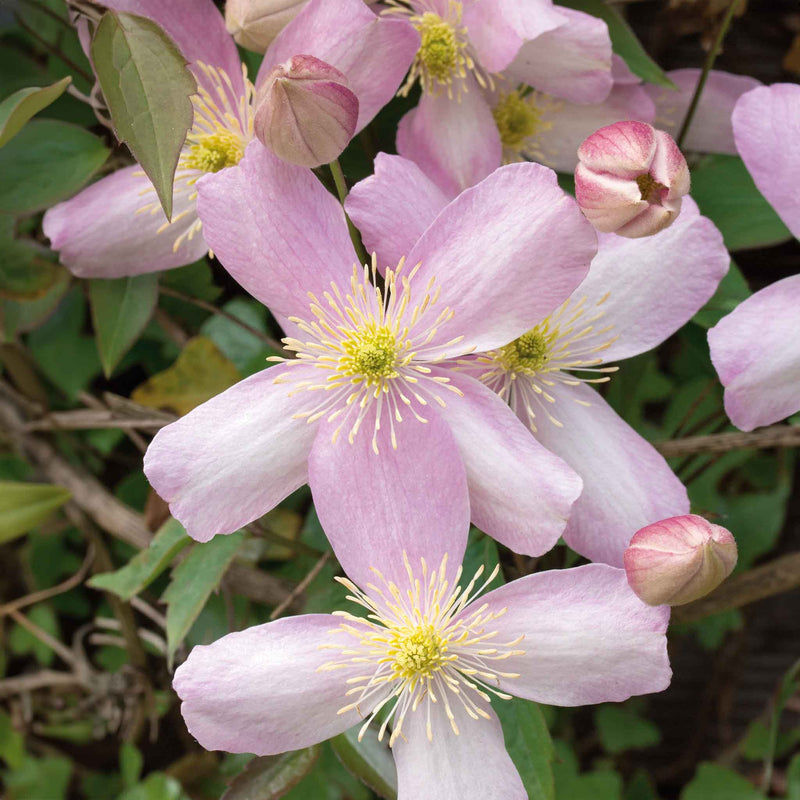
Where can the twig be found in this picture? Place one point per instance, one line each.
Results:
(774, 436)
(55, 51)
(93, 403)
(301, 587)
(96, 419)
(63, 652)
(44, 679)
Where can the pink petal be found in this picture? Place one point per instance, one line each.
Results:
(520, 493)
(374, 507)
(261, 691)
(626, 482)
(625, 149)
(756, 352)
(711, 130)
(656, 284)
(471, 766)
(234, 457)
(572, 61)
(505, 254)
(374, 52)
(100, 234)
(393, 207)
(455, 143)
(588, 638)
(766, 125)
(276, 229)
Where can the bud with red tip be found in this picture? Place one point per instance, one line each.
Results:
(677, 560)
(630, 179)
(304, 111)
(255, 23)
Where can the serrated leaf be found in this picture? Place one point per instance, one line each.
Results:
(624, 41)
(712, 782)
(148, 87)
(193, 581)
(200, 372)
(726, 194)
(369, 760)
(120, 310)
(270, 777)
(146, 565)
(23, 506)
(46, 162)
(17, 109)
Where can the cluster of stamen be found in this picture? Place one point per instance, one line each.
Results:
(445, 57)
(652, 191)
(373, 348)
(568, 341)
(420, 646)
(521, 117)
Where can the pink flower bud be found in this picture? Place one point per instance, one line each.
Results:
(677, 560)
(630, 179)
(255, 23)
(304, 111)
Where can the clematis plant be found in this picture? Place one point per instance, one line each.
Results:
(366, 357)
(636, 294)
(423, 649)
(116, 226)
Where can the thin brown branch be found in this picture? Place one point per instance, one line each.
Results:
(84, 419)
(774, 436)
(302, 586)
(44, 679)
(62, 651)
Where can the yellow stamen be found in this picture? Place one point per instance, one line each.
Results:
(521, 119)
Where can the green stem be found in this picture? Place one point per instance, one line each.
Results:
(341, 190)
(787, 689)
(716, 47)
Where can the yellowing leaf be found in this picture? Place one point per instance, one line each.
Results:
(23, 506)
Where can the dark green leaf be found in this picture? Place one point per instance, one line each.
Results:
(26, 269)
(732, 290)
(46, 162)
(157, 786)
(40, 778)
(793, 779)
(148, 87)
(712, 782)
(369, 760)
(120, 310)
(21, 316)
(620, 729)
(270, 777)
(25, 505)
(16, 110)
(21, 641)
(12, 743)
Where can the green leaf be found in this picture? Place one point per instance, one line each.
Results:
(192, 582)
(21, 641)
(130, 764)
(732, 290)
(12, 743)
(26, 273)
(25, 505)
(157, 786)
(621, 729)
(712, 782)
(369, 760)
(148, 87)
(40, 778)
(17, 109)
(146, 565)
(120, 310)
(793, 779)
(21, 316)
(46, 162)
(270, 777)
(725, 192)
(623, 40)
(529, 744)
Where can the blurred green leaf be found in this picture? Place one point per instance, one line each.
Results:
(571, 784)
(39, 779)
(712, 782)
(620, 728)
(245, 350)
(270, 777)
(793, 779)
(157, 786)
(120, 310)
(192, 582)
(732, 290)
(23, 506)
(147, 86)
(725, 192)
(22, 642)
(146, 565)
(21, 316)
(756, 743)
(12, 743)
(27, 271)
(369, 760)
(16, 110)
(46, 162)
(130, 764)
(641, 788)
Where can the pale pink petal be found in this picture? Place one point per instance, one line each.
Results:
(756, 352)
(625, 150)
(393, 207)
(456, 144)
(587, 637)
(505, 253)
(711, 130)
(260, 690)
(234, 457)
(766, 125)
(621, 72)
(276, 229)
(627, 484)
(474, 765)
(102, 232)
(374, 507)
(373, 52)
(572, 61)
(520, 493)
(656, 284)
(607, 201)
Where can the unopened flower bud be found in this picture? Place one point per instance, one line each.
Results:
(255, 23)
(630, 179)
(305, 113)
(679, 559)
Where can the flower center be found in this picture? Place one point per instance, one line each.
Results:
(521, 117)
(213, 152)
(440, 51)
(652, 191)
(419, 653)
(529, 354)
(372, 354)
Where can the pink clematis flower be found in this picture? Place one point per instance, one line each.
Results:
(432, 655)
(453, 133)
(637, 293)
(365, 385)
(116, 226)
